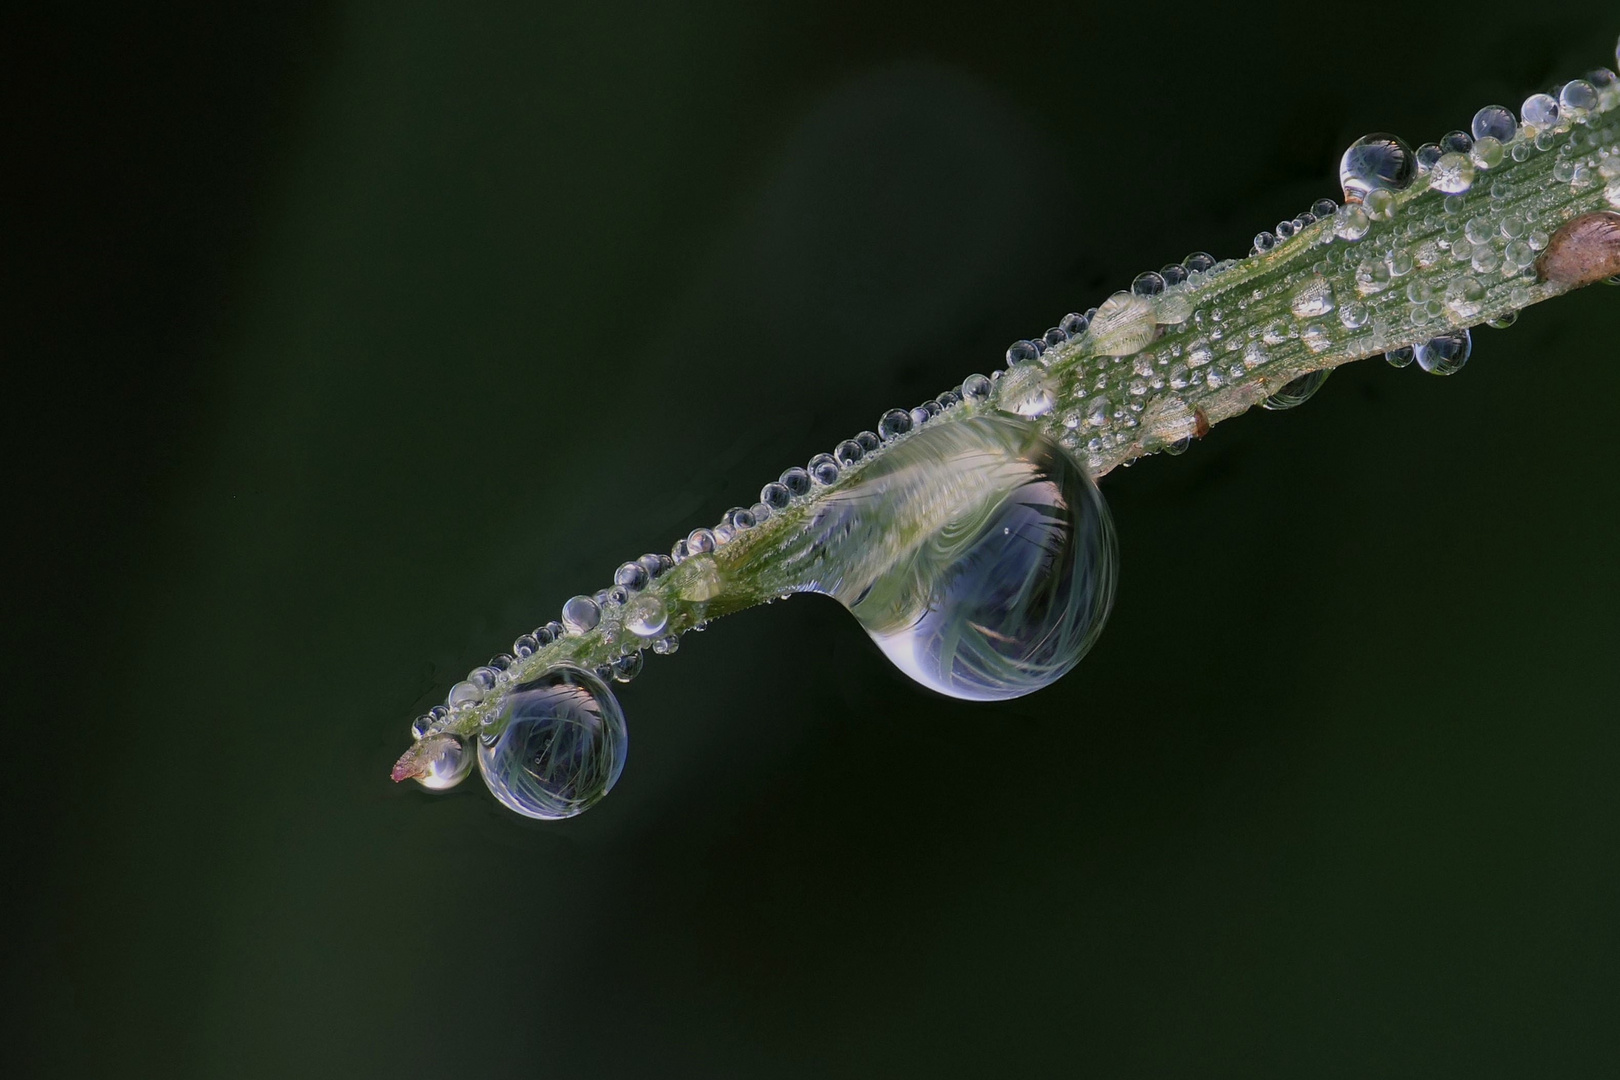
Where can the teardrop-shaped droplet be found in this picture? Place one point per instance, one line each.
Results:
(979, 555)
(1446, 354)
(1297, 391)
(556, 746)
(1375, 163)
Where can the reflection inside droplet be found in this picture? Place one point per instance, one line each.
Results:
(557, 746)
(1297, 391)
(444, 762)
(979, 555)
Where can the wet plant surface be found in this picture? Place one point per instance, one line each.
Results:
(400, 335)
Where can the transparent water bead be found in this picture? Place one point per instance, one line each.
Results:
(557, 745)
(444, 762)
(1494, 122)
(581, 614)
(1375, 162)
(1446, 354)
(645, 616)
(1297, 391)
(1452, 174)
(1028, 390)
(1539, 112)
(978, 555)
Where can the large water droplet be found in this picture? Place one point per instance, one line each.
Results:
(1375, 163)
(556, 746)
(979, 555)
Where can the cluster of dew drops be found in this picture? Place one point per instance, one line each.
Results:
(1372, 171)
(1489, 242)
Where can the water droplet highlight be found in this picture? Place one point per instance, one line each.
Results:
(1445, 354)
(1375, 162)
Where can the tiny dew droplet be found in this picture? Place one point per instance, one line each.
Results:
(1399, 357)
(558, 745)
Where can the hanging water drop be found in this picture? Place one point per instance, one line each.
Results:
(1445, 354)
(557, 745)
(1297, 391)
(442, 762)
(978, 555)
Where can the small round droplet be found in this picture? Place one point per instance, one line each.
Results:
(580, 615)
(1445, 354)
(645, 616)
(525, 646)
(1487, 153)
(1350, 222)
(1199, 262)
(560, 746)
(1578, 98)
(626, 668)
(1539, 112)
(1399, 357)
(823, 469)
(848, 452)
(869, 441)
(1502, 322)
(632, 576)
(1074, 324)
(443, 762)
(1297, 391)
(1494, 122)
(975, 388)
(1455, 142)
(775, 495)
(1148, 284)
(1020, 351)
(1375, 162)
(1453, 174)
(895, 422)
(700, 542)
(796, 480)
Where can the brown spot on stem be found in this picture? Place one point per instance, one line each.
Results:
(1201, 422)
(1584, 250)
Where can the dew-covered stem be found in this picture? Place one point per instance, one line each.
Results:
(1469, 230)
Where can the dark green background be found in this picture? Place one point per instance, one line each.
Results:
(354, 338)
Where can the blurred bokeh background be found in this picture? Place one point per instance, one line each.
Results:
(351, 338)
